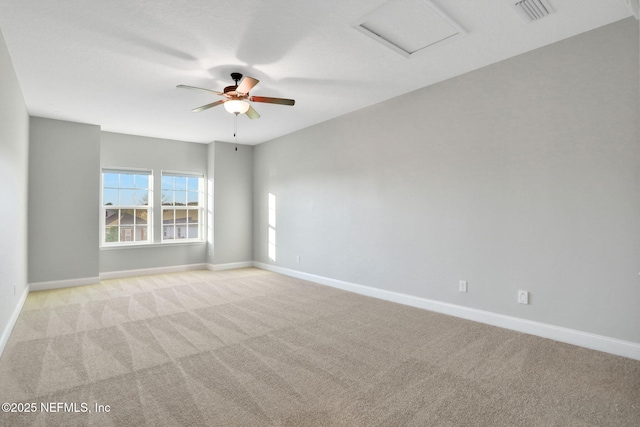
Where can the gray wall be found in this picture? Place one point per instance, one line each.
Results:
(63, 200)
(521, 175)
(14, 146)
(119, 150)
(232, 208)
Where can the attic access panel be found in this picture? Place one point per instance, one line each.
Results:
(409, 26)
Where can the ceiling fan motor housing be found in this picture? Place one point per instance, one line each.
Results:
(230, 90)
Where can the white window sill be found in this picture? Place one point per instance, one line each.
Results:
(152, 245)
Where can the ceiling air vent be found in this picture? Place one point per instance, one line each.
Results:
(532, 10)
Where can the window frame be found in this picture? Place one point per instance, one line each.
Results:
(105, 208)
(200, 208)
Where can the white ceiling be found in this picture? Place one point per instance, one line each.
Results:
(116, 63)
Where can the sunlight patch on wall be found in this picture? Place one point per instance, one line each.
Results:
(272, 227)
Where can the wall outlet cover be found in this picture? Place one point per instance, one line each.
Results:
(523, 297)
(462, 286)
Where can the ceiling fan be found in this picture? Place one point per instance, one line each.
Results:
(237, 96)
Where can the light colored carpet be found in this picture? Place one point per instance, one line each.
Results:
(253, 348)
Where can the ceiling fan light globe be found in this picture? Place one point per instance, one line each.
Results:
(236, 106)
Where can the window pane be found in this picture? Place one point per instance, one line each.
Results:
(180, 198)
(140, 197)
(192, 198)
(167, 198)
(167, 232)
(110, 180)
(126, 234)
(127, 197)
(110, 197)
(193, 232)
(126, 217)
(111, 234)
(141, 216)
(168, 182)
(112, 217)
(126, 180)
(181, 216)
(192, 184)
(181, 182)
(141, 234)
(142, 181)
(167, 216)
(193, 216)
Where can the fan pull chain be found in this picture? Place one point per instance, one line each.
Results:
(235, 129)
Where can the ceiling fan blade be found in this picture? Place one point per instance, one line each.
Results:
(281, 101)
(246, 85)
(252, 114)
(200, 88)
(206, 107)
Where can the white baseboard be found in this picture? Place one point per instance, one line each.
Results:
(150, 271)
(229, 266)
(6, 333)
(570, 336)
(59, 284)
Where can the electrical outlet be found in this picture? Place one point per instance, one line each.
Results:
(297, 258)
(462, 286)
(523, 297)
(14, 290)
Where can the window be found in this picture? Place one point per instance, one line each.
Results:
(182, 206)
(128, 213)
(126, 206)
